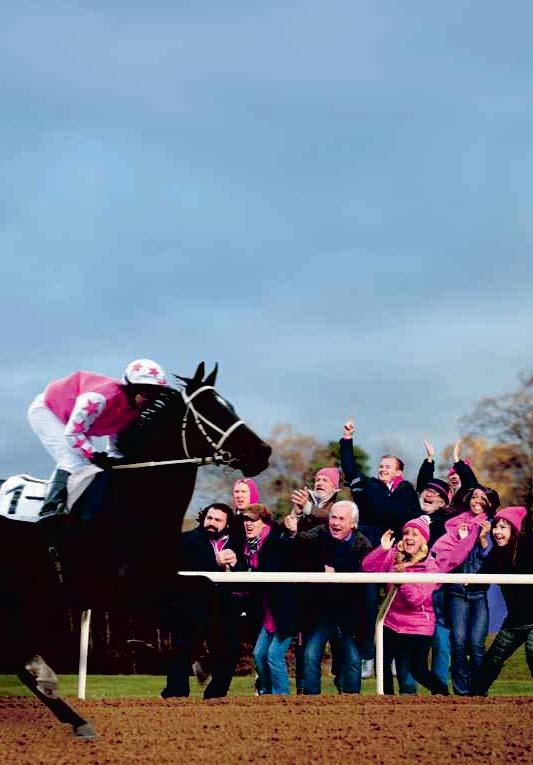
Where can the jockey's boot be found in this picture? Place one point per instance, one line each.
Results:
(55, 501)
(45, 677)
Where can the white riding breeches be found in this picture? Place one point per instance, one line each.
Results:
(51, 432)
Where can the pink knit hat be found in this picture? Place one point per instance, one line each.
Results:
(421, 523)
(332, 473)
(515, 516)
(252, 486)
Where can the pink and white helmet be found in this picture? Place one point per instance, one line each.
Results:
(144, 372)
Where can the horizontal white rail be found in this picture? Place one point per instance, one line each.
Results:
(314, 577)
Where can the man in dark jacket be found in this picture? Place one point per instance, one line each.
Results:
(385, 502)
(206, 611)
(333, 610)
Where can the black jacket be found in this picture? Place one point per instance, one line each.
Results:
(343, 603)
(379, 508)
(466, 475)
(518, 597)
(201, 603)
(283, 600)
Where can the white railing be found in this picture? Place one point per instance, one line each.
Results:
(279, 577)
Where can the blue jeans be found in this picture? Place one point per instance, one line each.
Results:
(349, 680)
(440, 653)
(269, 656)
(406, 682)
(469, 616)
(440, 645)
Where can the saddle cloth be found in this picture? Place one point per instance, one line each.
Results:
(22, 496)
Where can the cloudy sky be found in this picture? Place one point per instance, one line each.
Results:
(333, 200)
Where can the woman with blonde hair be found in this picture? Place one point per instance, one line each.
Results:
(410, 621)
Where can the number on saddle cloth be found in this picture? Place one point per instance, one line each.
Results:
(21, 497)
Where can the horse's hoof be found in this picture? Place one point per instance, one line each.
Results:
(46, 680)
(84, 732)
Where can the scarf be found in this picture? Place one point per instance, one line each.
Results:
(252, 547)
(395, 483)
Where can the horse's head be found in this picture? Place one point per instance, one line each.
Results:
(195, 421)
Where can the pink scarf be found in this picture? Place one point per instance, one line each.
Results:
(396, 482)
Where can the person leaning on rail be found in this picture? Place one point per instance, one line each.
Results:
(332, 611)
(510, 552)
(272, 609)
(467, 603)
(206, 611)
(311, 508)
(410, 621)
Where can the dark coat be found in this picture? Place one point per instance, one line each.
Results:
(466, 475)
(275, 555)
(201, 603)
(518, 597)
(379, 508)
(344, 603)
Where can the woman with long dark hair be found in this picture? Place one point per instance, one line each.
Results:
(510, 553)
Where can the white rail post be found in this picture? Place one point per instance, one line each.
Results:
(84, 650)
(379, 637)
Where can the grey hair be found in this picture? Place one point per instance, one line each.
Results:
(353, 507)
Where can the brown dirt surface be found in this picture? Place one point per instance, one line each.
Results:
(276, 730)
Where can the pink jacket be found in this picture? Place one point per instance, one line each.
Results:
(412, 611)
(90, 405)
(447, 543)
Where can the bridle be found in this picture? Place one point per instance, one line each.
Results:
(201, 422)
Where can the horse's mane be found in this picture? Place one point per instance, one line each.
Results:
(149, 435)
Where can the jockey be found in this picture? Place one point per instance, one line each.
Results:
(85, 404)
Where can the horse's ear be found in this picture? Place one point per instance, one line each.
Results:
(212, 376)
(199, 374)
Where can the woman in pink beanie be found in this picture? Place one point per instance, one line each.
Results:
(410, 621)
(245, 492)
(510, 553)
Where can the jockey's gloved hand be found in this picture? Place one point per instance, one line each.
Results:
(103, 460)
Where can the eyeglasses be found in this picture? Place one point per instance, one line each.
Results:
(247, 519)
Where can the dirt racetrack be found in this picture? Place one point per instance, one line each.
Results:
(275, 730)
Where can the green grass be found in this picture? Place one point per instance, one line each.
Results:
(515, 680)
(149, 687)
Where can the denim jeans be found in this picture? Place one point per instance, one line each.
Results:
(269, 656)
(505, 644)
(469, 616)
(440, 653)
(349, 678)
(406, 683)
(440, 645)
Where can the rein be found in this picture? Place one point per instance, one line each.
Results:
(214, 460)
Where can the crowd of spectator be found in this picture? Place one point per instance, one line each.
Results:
(434, 635)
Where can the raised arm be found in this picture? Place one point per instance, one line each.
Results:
(353, 475)
(427, 468)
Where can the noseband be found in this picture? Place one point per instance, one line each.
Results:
(201, 421)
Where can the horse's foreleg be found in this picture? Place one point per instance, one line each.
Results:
(42, 682)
